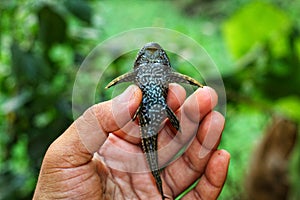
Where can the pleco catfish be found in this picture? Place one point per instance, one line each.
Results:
(152, 74)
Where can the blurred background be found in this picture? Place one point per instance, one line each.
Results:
(255, 44)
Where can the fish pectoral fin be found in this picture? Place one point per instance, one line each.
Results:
(136, 113)
(128, 77)
(175, 77)
(173, 119)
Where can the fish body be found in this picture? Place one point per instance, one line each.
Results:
(152, 74)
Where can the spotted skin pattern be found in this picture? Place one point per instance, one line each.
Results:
(152, 74)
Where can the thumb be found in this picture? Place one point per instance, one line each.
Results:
(106, 117)
(86, 135)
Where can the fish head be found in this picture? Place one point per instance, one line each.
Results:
(151, 53)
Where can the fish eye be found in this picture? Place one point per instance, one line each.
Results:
(143, 58)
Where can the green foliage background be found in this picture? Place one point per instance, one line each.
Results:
(255, 44)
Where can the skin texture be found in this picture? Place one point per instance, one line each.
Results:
(71, 170)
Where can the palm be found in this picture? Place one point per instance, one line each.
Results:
(119, 171)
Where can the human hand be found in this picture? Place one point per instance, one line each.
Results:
(71, 170)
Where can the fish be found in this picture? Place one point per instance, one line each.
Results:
(152, 73)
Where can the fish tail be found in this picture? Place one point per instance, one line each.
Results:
(156, 175)
(150, 149)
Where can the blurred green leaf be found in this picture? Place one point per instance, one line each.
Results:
(257, 23)
(56, 53)
(27, 67)
(44, 119)
(17, 182)
(52, 26)
(20, 161)
(80, 9)
(297, 45)
(14, 103)
(289, 106)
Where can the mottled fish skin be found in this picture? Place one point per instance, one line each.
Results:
(152, 74)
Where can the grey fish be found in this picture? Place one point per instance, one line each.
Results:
(152, 73)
